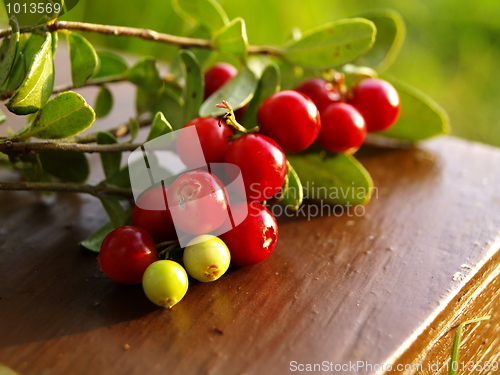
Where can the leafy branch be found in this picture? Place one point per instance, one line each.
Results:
(27, 148)
(181, 41)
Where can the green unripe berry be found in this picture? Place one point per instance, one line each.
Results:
(206, 258)
(165, 283)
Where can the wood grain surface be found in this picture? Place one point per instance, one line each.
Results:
(338, 288)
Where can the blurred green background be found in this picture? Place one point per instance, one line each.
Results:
(451, 51)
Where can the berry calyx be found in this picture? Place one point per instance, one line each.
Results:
(255, 238)
(206, 258)
(217, 76)
(321, 92)
(198, 202)
(125, 254)
(291, 119)
(378, 102)
(151, 213)
(262, 163)
(213, 136)
(343, 128)
(165, 283)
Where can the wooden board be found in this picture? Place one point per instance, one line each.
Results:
(338, 289)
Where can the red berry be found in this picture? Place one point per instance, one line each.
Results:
(213, 136)
(254, 239)
(198, 202)
(321, 92)
(152, 214)
(291, 119)
(262, 163)
(125, 254)
(378, 101)
(217, 76)
(342, 128)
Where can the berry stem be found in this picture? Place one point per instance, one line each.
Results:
(168, 250)
(230, 119)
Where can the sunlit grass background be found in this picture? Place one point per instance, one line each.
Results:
(451, 52)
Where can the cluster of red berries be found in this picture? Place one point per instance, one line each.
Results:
(289, 121)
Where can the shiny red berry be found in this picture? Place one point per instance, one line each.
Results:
(213, 137)
(291, 119)
(254, 239)
(125, 254)
(262, 163)
(342, 128)
(217, 76)
(378, 102)
(198, 202)
(321, 92)
(152, 214)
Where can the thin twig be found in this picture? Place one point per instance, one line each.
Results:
(91, 82)
(119, 131)
(26, 148)
(72, 187)
(146, 34)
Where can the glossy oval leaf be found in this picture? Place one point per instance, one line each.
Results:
(420, 118)
(391, 33)
(238, 92)
(18, 73)
(110, 161)
(159, 127)
(111, 64)
(294, 193)
(32, 46)
(145, 74)
(94, 241)
(103, 102)
(194, 86)
(134, 128)
(232, 38)
(38, 84)
(8, 51)
(63, 116)
(72, 166)
(333, 178)
(114, 209)
(83, 58)
(269, 83)
(208, 13)
(331, 45)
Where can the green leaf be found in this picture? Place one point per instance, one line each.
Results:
(121, 179)
(171, 107)
(104, 102)
(8, 51)
(159, 127)
(38, 84)
(113, 208)
(201, 54)
(391, 32)
(55, 41)
(238, 92)
(145, 74)
(331, 45)
(2, 117)
(94, 241)
(134, 127)
(333, 178)
(205, 12)
(269, 83)
(232, 38)
(63, 116)
(110, 161)
(420, 117)
(83, 57)
(111, 65)
(72, 166)
(32, 46)
(294, 193)
(17, 74)
(193, 89)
